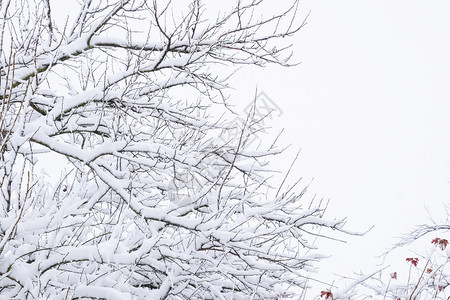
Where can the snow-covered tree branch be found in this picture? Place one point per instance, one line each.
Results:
(122, 90)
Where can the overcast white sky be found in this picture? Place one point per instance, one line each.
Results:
(370, 107)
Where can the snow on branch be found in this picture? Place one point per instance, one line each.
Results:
(151, 203)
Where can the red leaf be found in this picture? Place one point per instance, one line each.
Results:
(327, 294)
(413, 261)
(442, 243)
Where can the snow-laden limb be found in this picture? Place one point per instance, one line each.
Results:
(152, 205)
(423, 277)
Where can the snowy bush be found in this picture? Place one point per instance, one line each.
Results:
(422, 276)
